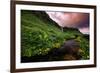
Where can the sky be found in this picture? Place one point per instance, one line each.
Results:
(71, 19)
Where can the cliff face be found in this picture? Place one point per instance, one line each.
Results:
(40, 36)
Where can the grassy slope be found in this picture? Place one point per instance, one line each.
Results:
(38, 37)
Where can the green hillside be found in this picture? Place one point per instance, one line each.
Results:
(40, 35)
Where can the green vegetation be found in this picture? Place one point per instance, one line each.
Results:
(40, 35)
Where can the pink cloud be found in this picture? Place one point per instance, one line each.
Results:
(71, 19)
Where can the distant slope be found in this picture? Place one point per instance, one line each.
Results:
(39, 35)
